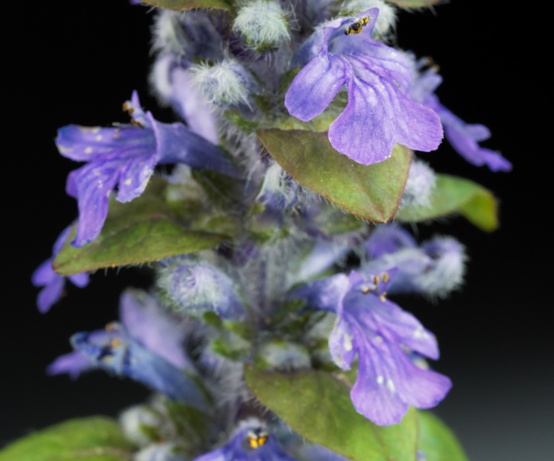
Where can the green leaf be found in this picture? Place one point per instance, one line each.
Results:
(318, 407)
(94, 438)
(371, 193)
(184, 5)
(412, 4)
(456, 195)
(192, 426)
(143, 230)
(437, 441)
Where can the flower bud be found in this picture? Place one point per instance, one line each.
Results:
(225, 84)
(195, 287)
(279, 190)
(263, 25)
(281, 355)
(190, 34)
(141, 424)
(160, 452)
(419, 185)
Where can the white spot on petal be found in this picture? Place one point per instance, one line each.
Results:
(88, 150)
(380, 379)
(390, 386)
(64, 149)
(347, 342)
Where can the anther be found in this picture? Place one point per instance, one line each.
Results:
(256, 439)
(357, 26)
(112, 326)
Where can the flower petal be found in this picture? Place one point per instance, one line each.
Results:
(148, 323)
(377, 117)
(315, 86)
(92, 184)
(118, 353)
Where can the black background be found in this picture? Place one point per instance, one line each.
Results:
(77, 61)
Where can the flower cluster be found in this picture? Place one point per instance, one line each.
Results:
(261, 266)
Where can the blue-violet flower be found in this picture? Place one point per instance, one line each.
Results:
(382, 336)
(379, 113)
(125, 156)
(52, 283)
(462, 136)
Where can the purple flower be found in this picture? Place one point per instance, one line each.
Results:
(463, 137)
(74, 363)
(312, 452)
(379, 112)
(147, 347)
(250, 442)
(52, 283)
(117, 352)
(383, 337)
(173, 85)
(125, 156)
(388, 238)
(435, 268)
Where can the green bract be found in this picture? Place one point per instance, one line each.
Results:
(94, 438)
(184, 5)
(412, 4)
(371, 193)
(456, 195)
(317, 406)
(143, 230)
(437, 441)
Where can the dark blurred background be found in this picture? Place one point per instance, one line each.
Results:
(76, 62)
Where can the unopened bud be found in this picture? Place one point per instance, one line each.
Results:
(263, 25)
(224, 84)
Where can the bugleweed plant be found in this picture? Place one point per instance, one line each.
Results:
(276, 215)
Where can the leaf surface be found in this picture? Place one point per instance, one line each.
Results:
(94, 438)
(437, 441)
(318, 407)
(140, 231)
(371, 193)
(184, 5)
(454, 195)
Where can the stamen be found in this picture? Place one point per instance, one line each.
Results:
(136, 123)
(257, 438)
(112, 326)
(128, 108)
(357, 26)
